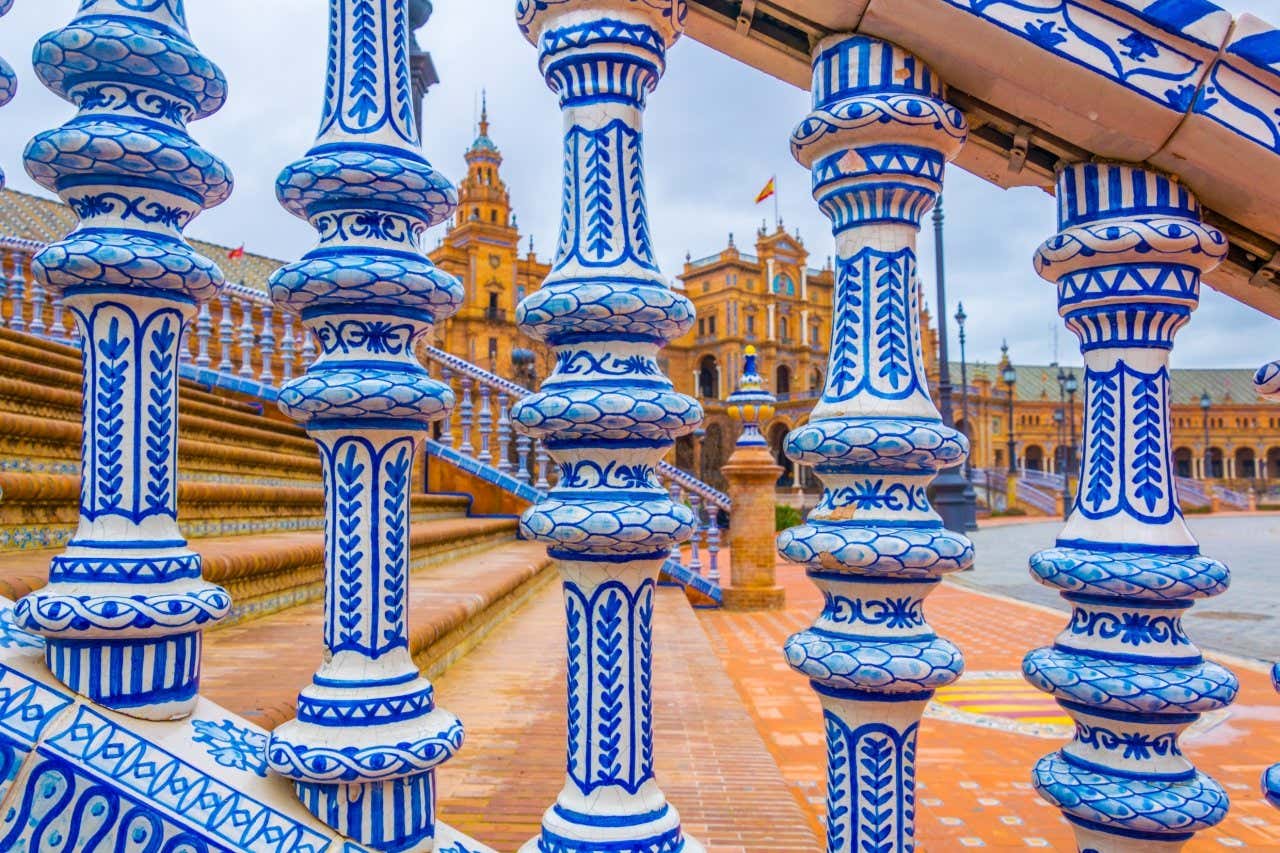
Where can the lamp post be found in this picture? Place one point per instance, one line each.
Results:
(954, 497)
(1060, 455)
(1010, 377)
(1206, 403)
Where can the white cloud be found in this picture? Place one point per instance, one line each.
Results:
(717, 130)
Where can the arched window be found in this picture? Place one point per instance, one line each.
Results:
(782, 380)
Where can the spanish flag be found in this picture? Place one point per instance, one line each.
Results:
(236, 253)
(769, 189)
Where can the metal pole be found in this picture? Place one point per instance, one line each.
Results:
(964, 390)
(944, 369)
(1013, 462)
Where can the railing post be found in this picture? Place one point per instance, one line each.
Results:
(484, 424)
(37, 327)
(876, 142)
(6, 282)
(226, 335)
(59, 323)
(522, 457)
(125, 605)
(464, 417)
(695, 541)
(368, 736)
(204, 328)
(1127, 261)
(504, 434)
(446, 423)
(608, 415)
(541, 461)
(308, 348)
(268, 345)
(246, 338)
(18, 296)
(288, 349)
(713, 543)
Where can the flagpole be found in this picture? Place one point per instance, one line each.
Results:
(777, 218)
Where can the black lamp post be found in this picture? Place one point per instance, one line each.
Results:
(1073, 456)
(1206, 403)
(954, 497)
(1060, 422)
(964, 388)
(1010, 377)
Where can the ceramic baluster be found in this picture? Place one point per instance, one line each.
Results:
(18, 296)
(446, 423)
(504, 433)
(8, 80)
(541, 462)
(36, 326)
(204, 328)
(267, 342)
(226, 336)
(308, 347)
(607, 415)
(1127, 261)
(695, 542)
(464, 418)
(368, 736)
(877, 141)
(125, 604)
(58, 323)
(287, 350)
(523, 446)
(485, 425)
(246, 339)
(713, 543)
(1267, 383)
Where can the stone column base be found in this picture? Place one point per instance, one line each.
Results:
(753, 598)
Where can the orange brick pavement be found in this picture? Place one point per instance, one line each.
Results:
(711, 761)
(974, 781)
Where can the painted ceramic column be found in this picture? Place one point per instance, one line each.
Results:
(8, 80)
(1267, 383)
(607, 415)
(368, 735)
(125, 603)
(1127, 261)
(877, 140)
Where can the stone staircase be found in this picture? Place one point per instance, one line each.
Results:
(250, 502)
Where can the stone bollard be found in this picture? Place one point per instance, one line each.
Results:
(753, 476)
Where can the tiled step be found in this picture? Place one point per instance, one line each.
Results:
(256, 669)
(41, 510)
(272, 572)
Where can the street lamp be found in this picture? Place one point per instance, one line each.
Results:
(1010, 377)
(1072, 385)
(954, 497)
(1060, 422)
(1206, 402)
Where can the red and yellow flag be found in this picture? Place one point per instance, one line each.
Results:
(768, 191)
(236, 253)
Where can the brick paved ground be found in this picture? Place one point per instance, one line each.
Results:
(711, 761)
(974, 788)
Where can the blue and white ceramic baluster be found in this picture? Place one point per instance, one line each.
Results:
(1267, 383)
(695, 541)
(541, 462)
(368, 736)
(246, 338)
(484, 425)
(268, 345)
(125, 605)
(446, 423)
(226, 336)
(288, 350)
(877, 142)
(464, 418)
(607, 415)
(504, 433)
(18, 296)
(1127, 260)
(8, 80)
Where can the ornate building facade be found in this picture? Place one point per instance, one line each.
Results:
(776, 300)
(481, 247)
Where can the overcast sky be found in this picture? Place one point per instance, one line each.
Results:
(716, 131)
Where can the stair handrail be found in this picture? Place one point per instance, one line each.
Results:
(1028, 493)
(667, 471)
